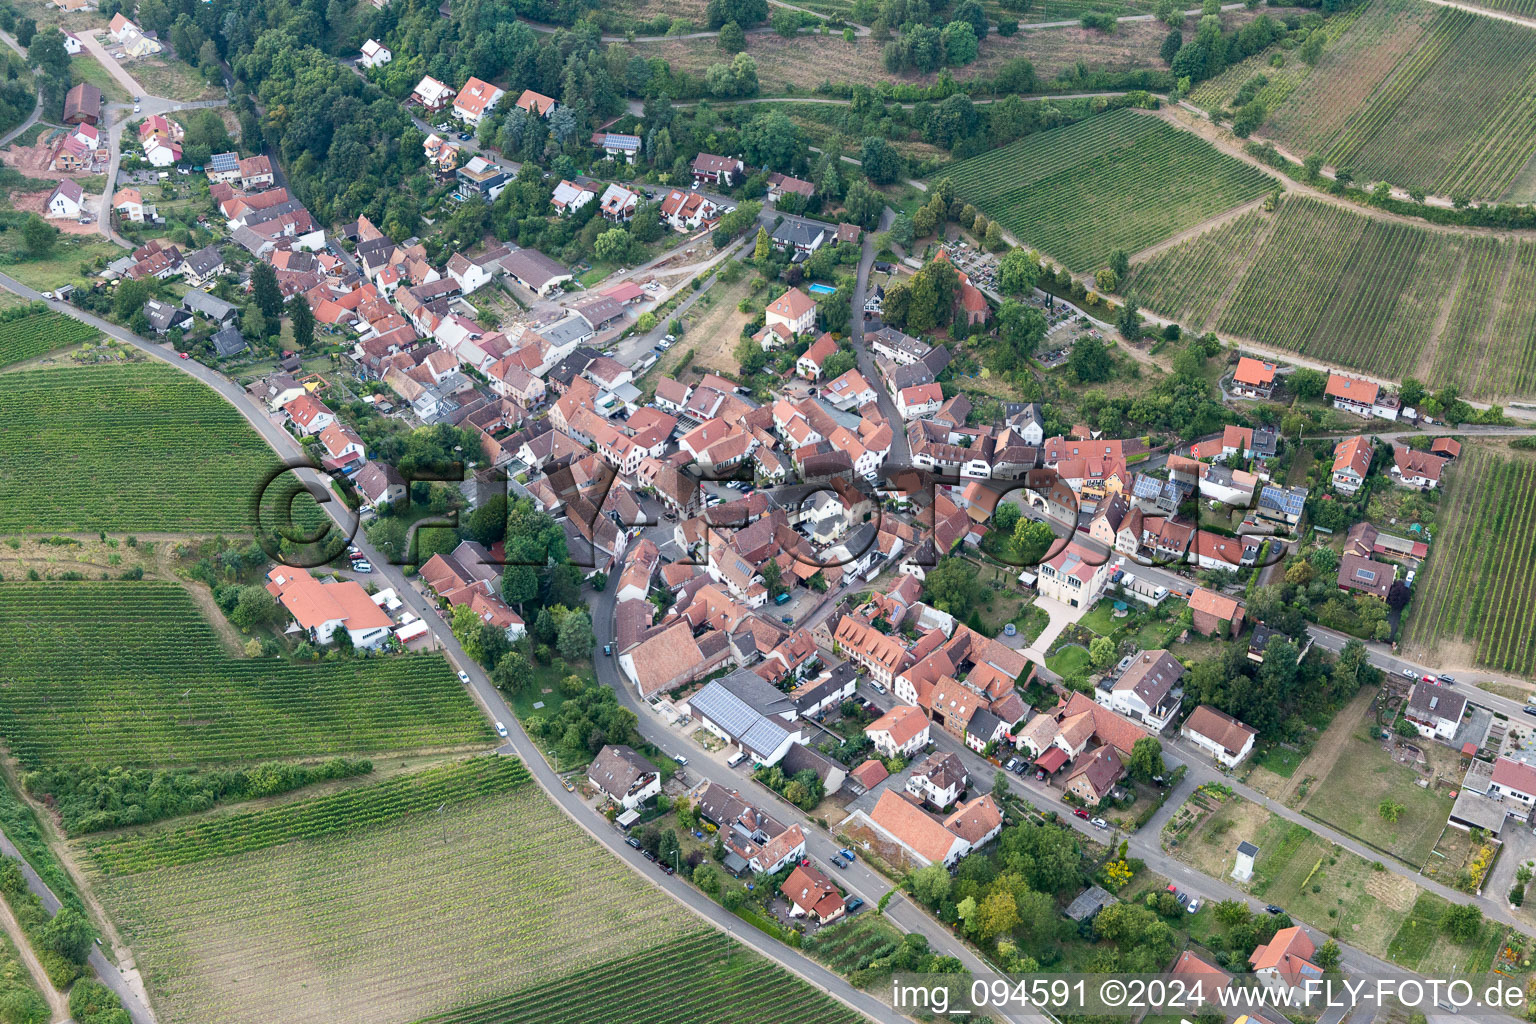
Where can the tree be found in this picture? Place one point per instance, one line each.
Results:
(1129, 321)
(576, 639)
(997, 915)
(265, 291)
(1146, 760)
(38, 236)
(1006, 517)
(879, 160)
(303, 320)
(1306, 382)
(732, 38)
(959, 43)
(930, 884)
(69, 935)
(614, 246)
(1101, 651)
(512, 673)
(1462, 922)
(1017, 272)
(1090, 361)
(951, 586)
(1328, 955)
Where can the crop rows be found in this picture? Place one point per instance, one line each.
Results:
(1479, 584)
(1361, 292)
(406, 916)
(1458, 115)
(139, 447)
(1353, 64)
(721, 979)
(1121, 180)
(1461, 343)
(1185, 282)
(39, 334)
(320, 817)
(130, 673)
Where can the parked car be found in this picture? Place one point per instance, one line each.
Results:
(1080, 813)
(501, 730)
(853, 905)
(632, 841)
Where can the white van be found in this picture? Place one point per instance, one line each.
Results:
(736, 759)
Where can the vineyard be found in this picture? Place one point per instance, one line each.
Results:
(1122, 180)
(38, 334)
(1358, 57)
(1361, 292)
(130, 673)
(140, 447)
(644, 988)
(229, 835)
(372, 912)
(1479, 584)
(1458, 116)
(1186, 281)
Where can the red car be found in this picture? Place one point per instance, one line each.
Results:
(1081, 813)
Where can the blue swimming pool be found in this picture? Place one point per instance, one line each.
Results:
(820, 289)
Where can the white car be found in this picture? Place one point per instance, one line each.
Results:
(463, 677)
(501, 730)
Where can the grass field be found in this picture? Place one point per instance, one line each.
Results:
(1122, 180)
(1324, 281)
(131, 673)
(480, 902)
(139, 447)
(1365, 907)
(1478, 588)
(1363, 776)
(39, 334)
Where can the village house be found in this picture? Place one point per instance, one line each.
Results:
(375, 54)
(1351, 463)
(724, 171)
(1075, 576)
(1147, 690)
(1366, 575)
(1220, 736)
(1215, 614)
(1435, 711)
(475, 100)
(622, 775)
(1253, 378)
(1093, 776)
(811, 894)
(1351, 394)
(431, 94)
(1284, 964)
(1413, 468)
(319, 609)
